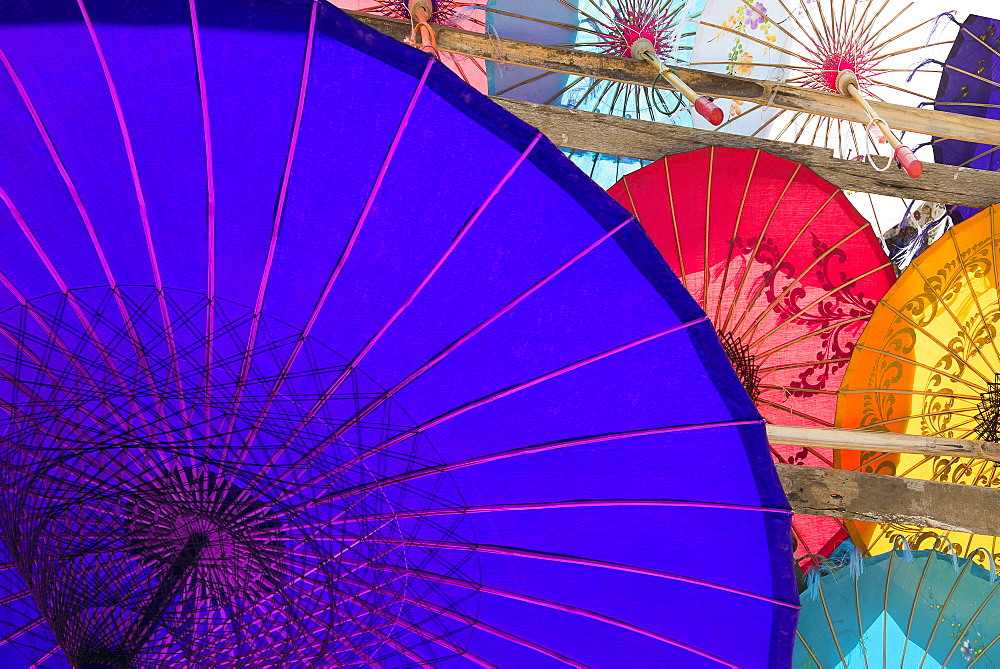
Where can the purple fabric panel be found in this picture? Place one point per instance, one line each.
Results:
(967, 87)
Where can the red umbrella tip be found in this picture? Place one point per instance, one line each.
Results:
(705, 106)
(914, 168)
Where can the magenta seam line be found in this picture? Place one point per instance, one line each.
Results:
(147, 232)
(569, 559)
(335, 274)
(75, 195)
(448, 511)
(506, 308)
(12, 380)
(44, 369)
(352, 365)
(27, 627)
(529, 450)
(210, 173)
(372, 406)
(54, 273)
(515, 389)
(448, 614)
(430, 275)
(279, 213)
(439, 578)
(494, 631)
(50, 653)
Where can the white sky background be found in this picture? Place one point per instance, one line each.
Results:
(884, 212)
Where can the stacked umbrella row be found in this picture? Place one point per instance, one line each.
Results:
(312, 355)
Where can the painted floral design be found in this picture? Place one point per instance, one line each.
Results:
(746, 20)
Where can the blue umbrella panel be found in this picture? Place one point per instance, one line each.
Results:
(903, 609)
(312, 355)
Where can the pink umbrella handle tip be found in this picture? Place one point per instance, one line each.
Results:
(706, 106)
(914, 168)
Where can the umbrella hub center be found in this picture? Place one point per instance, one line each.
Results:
(742, 360)
(231, 544)
(634, 23)
(443, 12)
(988, 412)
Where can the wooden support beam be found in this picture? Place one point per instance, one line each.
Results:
(883, 442)
(766, 93)
(588, 131)
(891, 499)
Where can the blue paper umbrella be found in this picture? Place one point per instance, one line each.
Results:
(312, 356)
(608, 27)
(903, 609)
(970, 85)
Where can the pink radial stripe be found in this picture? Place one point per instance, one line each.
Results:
(514, 389)
(574, 610)
(586, 562)
(517, 452)
(147, 231)
(278, 215)
(84, 373)
(489, 629)
(338, 267)
(372, 406)
(568, 504)
(210, 213)
(472, 623)
(37, 664)
(18, 342)
(13, 410)
(14, 597)
(24, 629)
(71, 187)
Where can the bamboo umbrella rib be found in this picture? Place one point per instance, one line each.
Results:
(975, 296)
(916, 363)
(765, 354)
(760, 239)
(954, 317)
(809, 268)
(819, 299)
(800, 414)
(944, 347)
(736, 232)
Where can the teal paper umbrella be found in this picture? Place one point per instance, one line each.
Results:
(922, 609)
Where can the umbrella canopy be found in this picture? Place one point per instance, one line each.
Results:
(969, 85)
(453, 13)
(601, 26)
(785, 267)
(284, 390)
(927, 364)
(809, 44)
(734, 38)
(901, 609)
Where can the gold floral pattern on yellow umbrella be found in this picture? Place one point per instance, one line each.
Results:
(928, 363)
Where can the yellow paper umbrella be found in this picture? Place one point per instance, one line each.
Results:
(928, 363)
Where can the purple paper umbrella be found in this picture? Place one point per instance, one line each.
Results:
(970, 85)
(312, 356)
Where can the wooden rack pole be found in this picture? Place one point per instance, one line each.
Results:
(883, 442)
(891, 499)
(626, 70)
(601, 133)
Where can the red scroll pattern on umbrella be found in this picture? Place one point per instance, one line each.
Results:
(786, 268)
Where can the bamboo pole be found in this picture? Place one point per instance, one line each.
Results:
(882, 442)
(877, 498)
(601, 133)
(627, 70)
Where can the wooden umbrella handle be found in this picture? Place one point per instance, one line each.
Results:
(847, 84)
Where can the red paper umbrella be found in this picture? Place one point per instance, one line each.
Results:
(786, 268)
